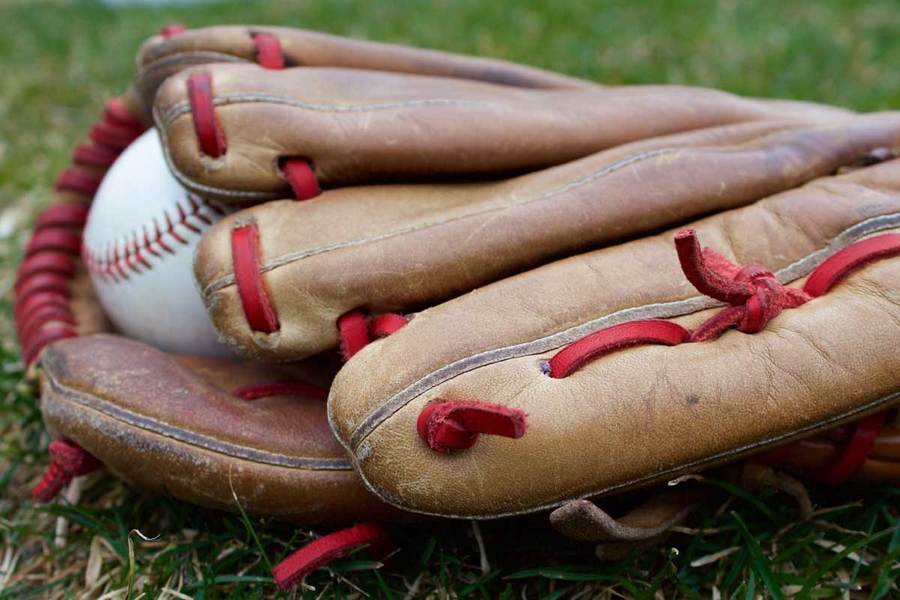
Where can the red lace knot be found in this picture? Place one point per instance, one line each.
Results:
(357, 330)
(67, 460)
(754, 293)
(446, 426)
(322, 551)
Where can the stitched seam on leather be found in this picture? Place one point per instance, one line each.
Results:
(201, 441)
(137, 251)
(700, 464)
(219, 100)
(185, 59)
(291, 257)
(609, 169)
(791, 272)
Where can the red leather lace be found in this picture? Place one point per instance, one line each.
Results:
(331, 547)
(67, 460)
(42, 288)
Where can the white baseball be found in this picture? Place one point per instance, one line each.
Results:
(139, 247)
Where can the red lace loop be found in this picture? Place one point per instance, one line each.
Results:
(288, 388)
(849, 259)
(117, 113)
(855, 452)
(653, 331)
(92, 155)
(56, 263)
(67, 460)
(70, 214)
(301, 178)
(53, 283)
(255, 301)
(54, 240)
(269, 54)
(171, 30)
(386, 324)
(446, 426)
(354, 331)
(322, 551)
(46, 334)
(206, 125)
(78, 181)
(114, 136)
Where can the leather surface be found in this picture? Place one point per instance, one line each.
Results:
(404, 247)
(160, 57)
(172, 425)
(644, 414)
(358, 126)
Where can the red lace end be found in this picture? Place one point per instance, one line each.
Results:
(849, 259)
(258, 309)
(446, 426)
(172, 30)
(322, 551)
(652, 331)
(301, 178)
(268, 51)
(709, 272)
(266, 390)
(354, 331)
(67, 460)
(206, 125)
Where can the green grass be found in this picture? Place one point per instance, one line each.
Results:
(60, 61)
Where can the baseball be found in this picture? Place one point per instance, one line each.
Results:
(138, 247)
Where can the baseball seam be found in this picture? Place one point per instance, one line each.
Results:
(136, 252)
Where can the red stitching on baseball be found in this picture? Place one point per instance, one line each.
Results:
(286, 388)
(209, 132)
(300, 176)
(268, 51)
(254, 298)
(114, 260)
(322, 551)
(446, 425)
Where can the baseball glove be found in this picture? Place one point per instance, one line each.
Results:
(286, 280)
(642, 361)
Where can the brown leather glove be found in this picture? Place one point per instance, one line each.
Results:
(286, 280)
(177, 48)
(643, 361)
(241, 133)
